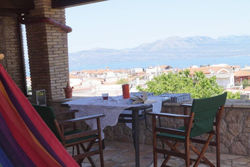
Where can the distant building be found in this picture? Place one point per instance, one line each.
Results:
(136, 70)
(75, 80)
(224, 73)
(242, 75)
(152, 72)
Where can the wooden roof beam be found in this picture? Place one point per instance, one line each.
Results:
(71, 3)
(17, 4)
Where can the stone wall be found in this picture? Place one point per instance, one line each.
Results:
(235, 129)
(11, 47)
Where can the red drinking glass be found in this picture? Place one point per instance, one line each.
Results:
(105, 96)
(125, 91)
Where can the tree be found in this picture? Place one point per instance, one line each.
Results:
(231, 95)
(198, 85)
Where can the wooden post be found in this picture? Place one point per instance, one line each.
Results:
(135, 133)
(100, 141)
(218, 121)
(154, 140)
(1, 56)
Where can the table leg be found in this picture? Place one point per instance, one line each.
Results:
(135, 133)
(103, 144)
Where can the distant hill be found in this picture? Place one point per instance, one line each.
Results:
(173, 51)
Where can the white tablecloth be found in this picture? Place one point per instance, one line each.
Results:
(111, 108)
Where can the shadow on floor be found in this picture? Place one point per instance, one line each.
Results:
(118, 154)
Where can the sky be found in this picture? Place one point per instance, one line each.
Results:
(119, 24)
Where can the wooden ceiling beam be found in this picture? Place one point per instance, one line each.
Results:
(17, 4)
(12, 12)
(70, 3)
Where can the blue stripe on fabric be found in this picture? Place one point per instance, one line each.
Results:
(4, 160)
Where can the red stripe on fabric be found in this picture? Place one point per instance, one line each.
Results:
(29, 123)
(24, 137)
(38, 122)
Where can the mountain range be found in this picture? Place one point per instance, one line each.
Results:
(174, 51)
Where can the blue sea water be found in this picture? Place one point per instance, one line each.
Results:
(174, 62)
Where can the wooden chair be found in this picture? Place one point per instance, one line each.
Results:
(75, 138)
(204, 118)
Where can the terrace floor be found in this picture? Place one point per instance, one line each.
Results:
(118, 154)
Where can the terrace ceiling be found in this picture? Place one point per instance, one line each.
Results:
(15, 6)
(70, 3)
(23, 6)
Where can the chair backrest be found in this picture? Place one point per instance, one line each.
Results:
(205, 113)
(48, 116)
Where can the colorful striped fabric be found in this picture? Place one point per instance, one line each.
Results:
(25, 140)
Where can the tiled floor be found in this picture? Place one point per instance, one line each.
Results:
(117, 154)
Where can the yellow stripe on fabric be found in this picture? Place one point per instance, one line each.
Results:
(2, 89)
(25, 128)
(29, 133)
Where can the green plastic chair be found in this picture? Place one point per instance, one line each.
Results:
(74, 138)
(48, 116)
(204, 118)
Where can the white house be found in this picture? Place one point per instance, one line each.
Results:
(224, 74)
(225, 78)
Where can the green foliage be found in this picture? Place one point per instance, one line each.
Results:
(205, 87)
(122, 81)
(231, 95)
(199, 86)
(245, 83)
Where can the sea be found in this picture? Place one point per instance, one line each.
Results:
(241, 61)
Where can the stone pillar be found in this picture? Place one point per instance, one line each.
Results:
(11, 47)
(48, 50)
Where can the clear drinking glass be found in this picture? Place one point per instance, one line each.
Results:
(105, 96)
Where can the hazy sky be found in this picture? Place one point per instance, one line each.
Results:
(120, 24)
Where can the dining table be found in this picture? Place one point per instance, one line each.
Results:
(112, 108)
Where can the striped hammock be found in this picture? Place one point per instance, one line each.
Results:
(25, 140)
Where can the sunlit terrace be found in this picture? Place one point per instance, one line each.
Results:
(125, 142)
(120, 154)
